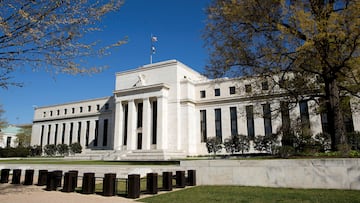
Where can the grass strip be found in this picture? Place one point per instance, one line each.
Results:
(241, 194)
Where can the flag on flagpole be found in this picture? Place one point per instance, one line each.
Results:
(152, 48)
(154, 39)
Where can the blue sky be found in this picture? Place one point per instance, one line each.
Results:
(178, 25)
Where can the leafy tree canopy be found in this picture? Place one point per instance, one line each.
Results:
(311, 48)
(49, 35)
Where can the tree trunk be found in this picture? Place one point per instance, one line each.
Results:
(335, 117)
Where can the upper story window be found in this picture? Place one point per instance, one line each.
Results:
(44, 114)
(217, 92)
(248, 88)
(81, 109)
(107, 106)
(98, 107)
(89, 108)
(51, 113)
(202, 94)
(265, 85)
(65, 111)
(58, 112)
(232, 90)
(73, 110)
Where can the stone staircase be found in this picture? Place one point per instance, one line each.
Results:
(131, 155)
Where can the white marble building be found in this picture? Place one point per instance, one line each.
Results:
(167, 110)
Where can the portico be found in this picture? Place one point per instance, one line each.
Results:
(141, 117)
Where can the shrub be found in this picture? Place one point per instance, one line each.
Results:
(266, 143)
(237, 143)
(62, 149)
(36, 150)
(323, 141)
(75, 148)
(213, 145)
(285, 151)
(50, 149)
(354, 140)
(15, 152)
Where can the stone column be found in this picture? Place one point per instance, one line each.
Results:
(146, 129)
(119, 120)
(132, 137)
(162, 124)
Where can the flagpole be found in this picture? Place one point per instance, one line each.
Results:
(151, 45)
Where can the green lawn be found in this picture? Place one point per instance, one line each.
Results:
(208, 194)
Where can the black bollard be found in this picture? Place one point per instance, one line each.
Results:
(180, 179)
(191, 177)
(75, 178)
(42, 177)
(88, 183)
(109, 184)
(133, 186)
(167, 181)
(69, 184)
(50, 181)
(58, 177)
(29, 177)
(16, 176)
(5, 175)
(152, 183)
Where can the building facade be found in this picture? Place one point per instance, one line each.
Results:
(167, 110)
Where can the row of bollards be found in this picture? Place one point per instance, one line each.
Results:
(53, 179)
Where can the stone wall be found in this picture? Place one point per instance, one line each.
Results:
(294, 173)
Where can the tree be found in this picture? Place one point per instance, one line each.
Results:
(309, 48)
(75, 148)
(214, 145)
(237, 143)
(49, 35)
(24, 137)
(62, 149)
(50, 150)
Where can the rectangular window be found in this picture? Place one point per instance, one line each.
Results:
(81, 109)
(63, 134)
(97, 107)
(218, 130)
(347, 114)
(71, 133)
(58, 112)
(126, 116)
(203, 127)
(233, 121)
(105, 133)
(79, 132)
(304, 114)
(42, 135)
(324, 122)
(8, 142)
(72, 110)
(89, 108)
(51, 113)
(267, 119)
(139, 115)
(265, 85)
(56, 133)
(232, 90)
(107, 106)
(87, 133)
(202, 94)
(217, 92)
(248, 88)
(49, 133)
(96, 133)
(154, 122)
(285, 117)
(250, 121)
(65, 111)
